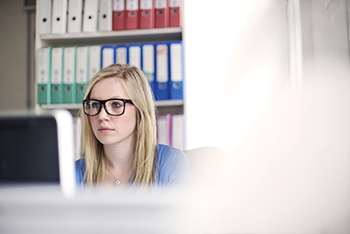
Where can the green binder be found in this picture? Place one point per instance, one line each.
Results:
(43, 75)
(82, 68)
(69, 54)
(56, 75)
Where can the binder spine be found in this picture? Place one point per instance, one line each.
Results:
(44, 76)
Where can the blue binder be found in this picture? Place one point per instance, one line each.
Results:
(176, 70)
(162, 70)
(148, 64)
(107, 55)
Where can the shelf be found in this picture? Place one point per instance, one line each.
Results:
(167, 103)
(157, 34)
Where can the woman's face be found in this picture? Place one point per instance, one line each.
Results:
(113, 130)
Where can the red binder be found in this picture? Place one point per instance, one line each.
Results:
(146, 14)
(161, 14)
(175, 13)
(118, 15)
(132, 14)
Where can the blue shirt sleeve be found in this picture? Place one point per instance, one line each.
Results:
(80, 169)
(173, 169)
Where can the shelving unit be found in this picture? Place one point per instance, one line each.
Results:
(107, 38)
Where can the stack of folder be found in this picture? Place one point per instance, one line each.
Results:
(171, 130)
(75, 16)
(64, 72)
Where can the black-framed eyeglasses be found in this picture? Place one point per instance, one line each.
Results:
(114, 106)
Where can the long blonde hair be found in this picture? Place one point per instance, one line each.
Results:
(145, 151)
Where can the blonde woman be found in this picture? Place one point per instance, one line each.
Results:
(119, 141)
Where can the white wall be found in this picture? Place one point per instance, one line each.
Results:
(13, 56)
(236, 55)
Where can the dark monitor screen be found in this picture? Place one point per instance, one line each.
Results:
(29, 149)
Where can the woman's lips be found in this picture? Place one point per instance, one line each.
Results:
(105, 129)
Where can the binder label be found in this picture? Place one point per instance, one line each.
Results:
(174, 3)
(135, 56)
(56, 65)
(160, 4)
(118, 5)
(145, 4)
(82, 65)
(148, 62)
(69, 63)
(176, 62)
(162, 63)
(108, 57)
(43, 66)
(121, 55)
(95, 58)
(132, 5)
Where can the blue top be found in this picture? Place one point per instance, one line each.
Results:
(174, 168)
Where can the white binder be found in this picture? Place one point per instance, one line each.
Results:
(90, 16)
(105, 16)
(134, 55)
(45, 17)
(121, 55)
(94, 60)
(59, 16)
(75, 11)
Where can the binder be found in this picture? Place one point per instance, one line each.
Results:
(105, 16)
(94, 60)
(108, 55)
(69, 74)
(178, 131)
(148, 64)
(118, 15)
(132, 14)
(75, 14)
(81, 72)
(162, 71)
(161, 14)
(121, 54)
(176, 70)
(164, 129)
(146, 18)
(56, 75)
(59, 16)
(175, 13)
(45, 17)
(134, 55)
(90, 16)
(43, 75)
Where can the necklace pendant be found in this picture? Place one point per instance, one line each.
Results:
(117, 182)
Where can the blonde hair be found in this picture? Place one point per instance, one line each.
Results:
(145, 151)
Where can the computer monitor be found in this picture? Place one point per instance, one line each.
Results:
(37, 149)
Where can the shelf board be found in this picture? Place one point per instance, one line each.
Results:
(155, 34)
(167, 103)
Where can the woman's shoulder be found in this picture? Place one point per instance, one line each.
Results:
(169, 151)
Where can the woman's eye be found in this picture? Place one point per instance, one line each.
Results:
(116, 104)
(95, 105)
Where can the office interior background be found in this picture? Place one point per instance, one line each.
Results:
(267, 82)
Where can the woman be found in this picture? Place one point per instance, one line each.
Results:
(119, 136)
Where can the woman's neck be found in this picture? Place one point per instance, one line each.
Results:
(119, 155)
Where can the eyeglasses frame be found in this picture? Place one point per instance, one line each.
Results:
(103, 102)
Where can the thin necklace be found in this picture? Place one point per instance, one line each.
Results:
(117, 181)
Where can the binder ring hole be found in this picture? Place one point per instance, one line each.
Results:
(44, 20)
(56, 88)
(160, 12)
(58, 19)
(73, 18)
(118, 15)
(90, 17)
(174, 11)
(81, 88)
(67, 88)
(42, 89)
(145, 13)
(104, 16)
(132, 14)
